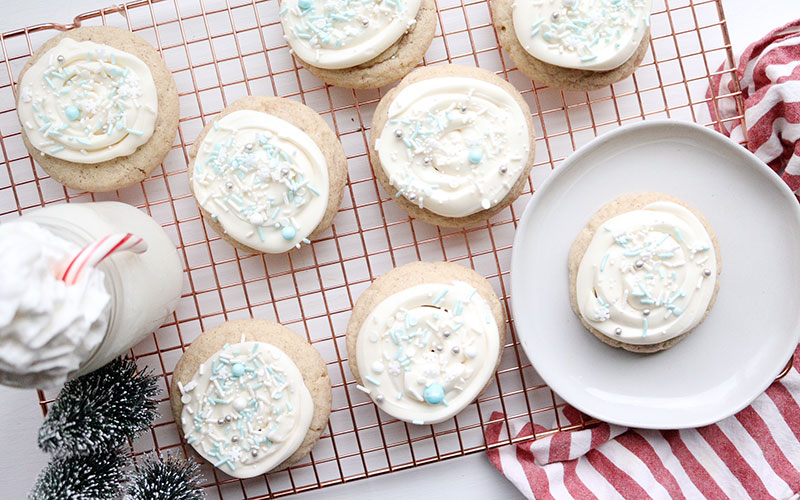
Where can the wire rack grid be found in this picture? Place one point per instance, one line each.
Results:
(221, 50)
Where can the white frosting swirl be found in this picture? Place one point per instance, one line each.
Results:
(263, 179)
(47, 329)
(648, 275)
(336, 34)
(454, 145)
(246, 409)
(426, 352)
(596, 35)
(87, 103)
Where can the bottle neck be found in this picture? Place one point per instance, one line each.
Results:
(78, 235)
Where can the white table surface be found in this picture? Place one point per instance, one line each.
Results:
(463, 478)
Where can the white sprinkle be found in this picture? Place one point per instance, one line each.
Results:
(362, 389)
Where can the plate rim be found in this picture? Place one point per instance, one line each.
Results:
(566, 165)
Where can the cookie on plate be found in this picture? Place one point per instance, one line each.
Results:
(644, 272)
(453, 145)
(251, 396)
(360, 45)
(425, 339)
(98, 108)
(268, 174)
(571, 44)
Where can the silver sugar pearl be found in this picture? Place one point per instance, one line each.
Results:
(228, 418)
(503, 169)
(60, 59)
(379, 398)
(235, 439)
(411, 196)
(439, 348)
(426, 160)
(248, 146)
(463, 108)
(254, 452)
(365, 22)
(455, 349)
(104, 129)
(639, 263)
(446, 333)
(618, 331)
(646, 312)
(229, 185)
(706, 272)
(285, 171)
(398, 133)
(220, 422)
(555, 16)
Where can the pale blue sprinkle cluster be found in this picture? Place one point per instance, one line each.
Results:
(240, 436)
(648, 250)
(579, 31)
(250, 174)
(85, 114)
(330, 24)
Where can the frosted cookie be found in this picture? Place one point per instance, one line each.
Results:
(424, 340)
(453, 145)
(268, 174)
(250, 396)
(574, 44)
(98, 108)
(361, 45)
(644, 272)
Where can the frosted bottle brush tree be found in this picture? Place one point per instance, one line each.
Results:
(89, 421)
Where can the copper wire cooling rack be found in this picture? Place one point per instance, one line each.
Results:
(221, 50)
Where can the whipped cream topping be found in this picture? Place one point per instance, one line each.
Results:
(648, 275)
(595, 35)
(263, 179)
(426, 352)
(87, 103)
(454, 145)
(246, 409)
(336, 34)
(47, 329)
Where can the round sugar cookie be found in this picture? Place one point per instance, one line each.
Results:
(553, 75)
(268, 174)
(424, 340)
(106, 108)
(452, 145)
(405, 45)
(275, 400)
(644, 272)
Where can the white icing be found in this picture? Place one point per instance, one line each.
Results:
(263, 179)
(659, 258)
(96, 104)
(424, 338)
(596, 35)
(454, 145)
(276, 409)
(47, 329)
(336, 34)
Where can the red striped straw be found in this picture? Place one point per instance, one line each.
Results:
(91, 255)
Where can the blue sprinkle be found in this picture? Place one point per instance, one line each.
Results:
(644, 327)
(288, 232)
(72, 112)
(475, 156)
(372, 380)
(134, 132)
(434, 394)
(603, 263)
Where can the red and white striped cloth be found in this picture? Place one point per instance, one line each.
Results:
(753, 454)
(769, 76)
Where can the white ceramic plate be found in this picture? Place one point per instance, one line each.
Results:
(754, 326)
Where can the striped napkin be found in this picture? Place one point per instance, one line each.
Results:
(769, 76)
(754, 454)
